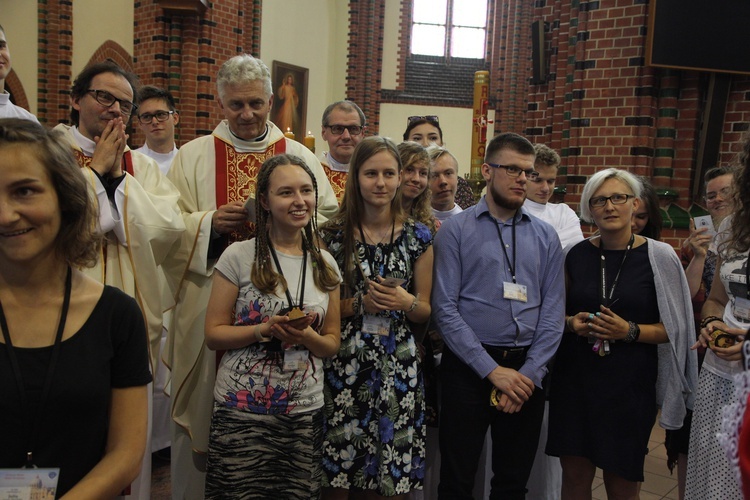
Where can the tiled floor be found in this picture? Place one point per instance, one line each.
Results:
(659, 483)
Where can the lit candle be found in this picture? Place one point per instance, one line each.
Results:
(289, 133)
(309, 141)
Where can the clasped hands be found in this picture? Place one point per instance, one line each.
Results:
(515, 387)
(110, 147)
(732, 353)
(291, 332)
(604, 325)
(380, 297)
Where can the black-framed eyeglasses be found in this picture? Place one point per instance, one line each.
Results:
(339, 129)
(616, 199)
(724, 192)
(429, 118)
(514, 171)
(106, 99)
(161, 116)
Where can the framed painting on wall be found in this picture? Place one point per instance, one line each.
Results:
(289, 111)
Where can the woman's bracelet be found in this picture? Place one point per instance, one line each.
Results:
(413, 304)
(569, 324)
(258, 336)
(709, 319)
(634, 331)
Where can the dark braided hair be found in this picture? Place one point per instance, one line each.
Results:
(263, 275)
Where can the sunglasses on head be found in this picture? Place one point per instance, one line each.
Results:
(429, 118)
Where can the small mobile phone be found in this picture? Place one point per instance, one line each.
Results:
(393, 282)
(705, 221)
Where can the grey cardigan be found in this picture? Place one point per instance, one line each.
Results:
(677, 381)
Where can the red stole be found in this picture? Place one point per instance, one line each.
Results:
(236, 174)
(337, 180)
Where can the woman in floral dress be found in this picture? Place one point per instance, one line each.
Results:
(374, 394)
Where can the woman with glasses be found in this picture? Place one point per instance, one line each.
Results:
(375, 431)
(725, 322)
(625, 349)
(425, 130)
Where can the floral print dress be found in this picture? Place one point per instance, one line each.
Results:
(374, 391)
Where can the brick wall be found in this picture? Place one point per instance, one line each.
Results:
(55, 21)
(183, 53)
(602, 106)
(365, 59)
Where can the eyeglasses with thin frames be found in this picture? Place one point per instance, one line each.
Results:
(161, 116)
(106, 99)
(616, 199)
(724, 192)
(514, 171)
(339, 129)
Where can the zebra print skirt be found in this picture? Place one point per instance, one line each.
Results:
(264, 456)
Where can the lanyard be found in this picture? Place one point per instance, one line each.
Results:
(300, 288)
(50, 368)
(607, 298)
(370, 256)
(502, 244)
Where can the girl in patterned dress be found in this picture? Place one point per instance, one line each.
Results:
(274, 308)
(374, 411)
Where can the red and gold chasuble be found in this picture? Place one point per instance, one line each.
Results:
(236, 175)
(85, 161)
(337, 180)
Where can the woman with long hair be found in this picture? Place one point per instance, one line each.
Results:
(626, 346)
(374, 444)
(725, 322)
(74, 364)
(415, 197)
(274, 308)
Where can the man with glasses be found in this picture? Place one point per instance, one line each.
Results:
(157, 116)
(499, 298)
(138, 212)
(216, 175)
(343, 126)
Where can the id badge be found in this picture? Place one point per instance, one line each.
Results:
(29, 483)
(741, 309)
(295, 360)
(514, 291)
(376, 325)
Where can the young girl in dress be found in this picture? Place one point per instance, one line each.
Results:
(274, 308)
(374, 444)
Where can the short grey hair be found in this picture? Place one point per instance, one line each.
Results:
(243, 68)
(347, 107)
(599, 178)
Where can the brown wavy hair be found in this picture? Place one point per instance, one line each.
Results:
(262, 274)
(77, 243)
(739, 240)
(421, 210)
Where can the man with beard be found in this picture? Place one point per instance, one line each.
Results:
(498, 297)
